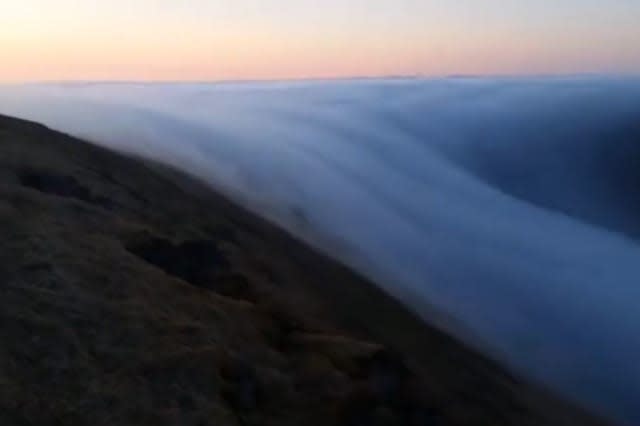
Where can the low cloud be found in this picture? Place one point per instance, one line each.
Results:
(507, 211)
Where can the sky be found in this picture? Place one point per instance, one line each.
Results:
(160, 40)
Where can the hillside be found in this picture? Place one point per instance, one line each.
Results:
(134, 295)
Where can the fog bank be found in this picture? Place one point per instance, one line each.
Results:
(507, 211)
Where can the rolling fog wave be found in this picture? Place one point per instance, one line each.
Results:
(506, 211)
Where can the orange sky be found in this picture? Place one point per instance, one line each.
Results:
(211, 40)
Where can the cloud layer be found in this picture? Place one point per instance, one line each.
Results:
(507, 211)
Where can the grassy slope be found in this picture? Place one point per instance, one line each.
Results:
(131, 294)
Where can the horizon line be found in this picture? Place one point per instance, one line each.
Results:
(453, 76)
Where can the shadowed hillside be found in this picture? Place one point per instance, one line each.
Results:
(132, 294)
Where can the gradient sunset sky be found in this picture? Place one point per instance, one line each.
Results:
(277, 39)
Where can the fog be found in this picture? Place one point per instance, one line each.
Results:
(506, 211)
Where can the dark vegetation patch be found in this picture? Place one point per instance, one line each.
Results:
(385, 395)
(235, 286)
(241, 389)
(38, 267)
(108, 177)
(222, 233)
(41, 275)
(370, 384)
(61, 186)
(197, 262)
